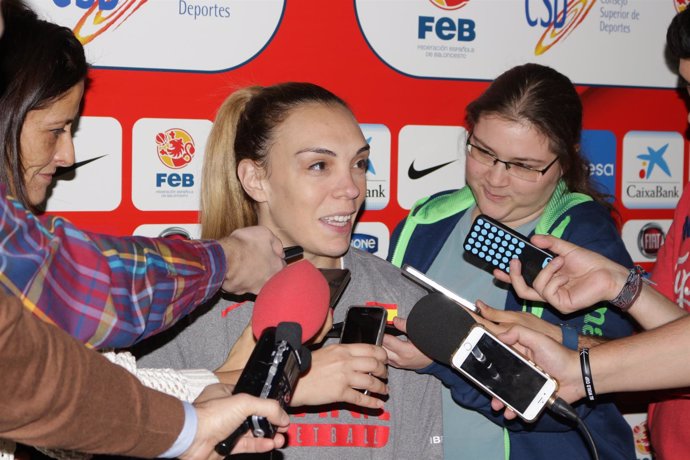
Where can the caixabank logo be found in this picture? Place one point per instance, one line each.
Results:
(168, 34)
(653, 165)
(167, 158)
(379, 171)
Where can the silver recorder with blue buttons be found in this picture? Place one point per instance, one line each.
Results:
(492, 245)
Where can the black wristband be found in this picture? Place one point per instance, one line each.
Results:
(587, 374)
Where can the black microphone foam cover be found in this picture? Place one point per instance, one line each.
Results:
(436, 325)
(290, 332)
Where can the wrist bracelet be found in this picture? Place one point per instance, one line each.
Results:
(587, 374)
(570, 336)
(631, 289)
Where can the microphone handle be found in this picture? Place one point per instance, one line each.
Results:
(225, 447)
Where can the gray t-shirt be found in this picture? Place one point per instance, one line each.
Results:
(409, 428)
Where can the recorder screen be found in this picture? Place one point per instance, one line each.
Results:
(502, 372)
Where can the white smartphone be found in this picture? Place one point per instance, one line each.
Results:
(504, 373)
(431, 285)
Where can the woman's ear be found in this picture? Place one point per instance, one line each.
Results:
(251, 177)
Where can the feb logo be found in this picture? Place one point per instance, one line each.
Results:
(559, 18)
(449, 4)
(650, 239)
(175, 148)
(100, 16)
(681, 5)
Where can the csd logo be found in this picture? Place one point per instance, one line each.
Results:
(103, 5)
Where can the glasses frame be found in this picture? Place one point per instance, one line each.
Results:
(508, 164)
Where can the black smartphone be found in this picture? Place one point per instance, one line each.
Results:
(492, 244)
(364, 325)
(337, 278)
(292, 253)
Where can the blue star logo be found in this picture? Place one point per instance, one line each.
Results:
(655, 158)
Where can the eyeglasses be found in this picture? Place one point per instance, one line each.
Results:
(488, 158)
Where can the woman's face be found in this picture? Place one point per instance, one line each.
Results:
(315, 181)
(46, 142)
(506, 198)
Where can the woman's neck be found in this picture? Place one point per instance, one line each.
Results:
(324, 261)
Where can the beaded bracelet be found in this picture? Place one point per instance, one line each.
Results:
(587, 374)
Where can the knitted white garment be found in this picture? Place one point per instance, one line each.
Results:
(185, 385)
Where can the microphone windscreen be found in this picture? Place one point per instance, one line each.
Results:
(436, 325)
(298, 293)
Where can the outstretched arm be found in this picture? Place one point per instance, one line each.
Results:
(579, 278)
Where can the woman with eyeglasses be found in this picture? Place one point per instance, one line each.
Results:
(524, 168)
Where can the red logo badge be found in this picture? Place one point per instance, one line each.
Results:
(175, 148)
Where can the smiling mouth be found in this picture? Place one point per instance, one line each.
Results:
(338, 221)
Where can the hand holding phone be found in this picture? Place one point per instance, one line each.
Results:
(493, 243)
(504, 373)
(364, 325)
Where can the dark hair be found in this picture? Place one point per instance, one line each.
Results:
(244, 128)
(39, 62)
(547, 100)
(678, 35)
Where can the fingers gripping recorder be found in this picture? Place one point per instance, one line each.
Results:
(289, 310)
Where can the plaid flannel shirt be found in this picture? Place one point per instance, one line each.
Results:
(105, 291)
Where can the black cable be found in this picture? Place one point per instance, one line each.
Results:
(565, 410)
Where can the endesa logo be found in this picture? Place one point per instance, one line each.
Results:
(559, 18)
(100, 15)
(599, 148)
(444, 28)
(176, 150)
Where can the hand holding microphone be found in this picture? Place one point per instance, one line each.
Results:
(288, 311)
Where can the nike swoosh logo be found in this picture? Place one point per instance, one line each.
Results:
(414, 174)
(68, 169)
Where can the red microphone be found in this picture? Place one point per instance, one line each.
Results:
(289, 310)
(298, 293)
